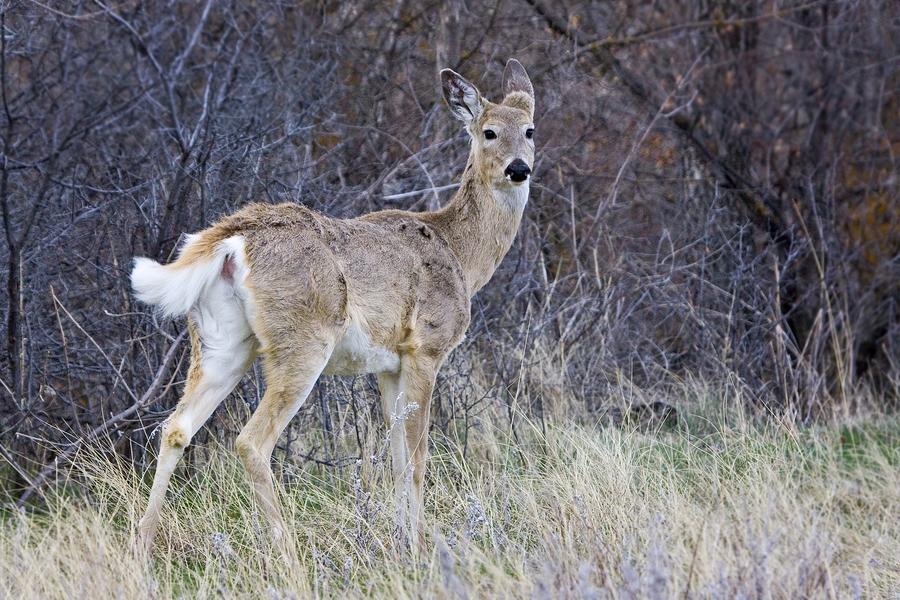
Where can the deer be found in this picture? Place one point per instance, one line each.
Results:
(388, 292)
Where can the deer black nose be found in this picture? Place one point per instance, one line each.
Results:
(517, 170)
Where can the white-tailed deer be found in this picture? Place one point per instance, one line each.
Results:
(385, 293)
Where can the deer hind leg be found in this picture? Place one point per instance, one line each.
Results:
(408, 427)
(213, 373)
(290, 377)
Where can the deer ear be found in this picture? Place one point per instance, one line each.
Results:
(464, 99)
(517, 87)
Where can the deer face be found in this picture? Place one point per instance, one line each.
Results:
(502, 134)
(503, 147)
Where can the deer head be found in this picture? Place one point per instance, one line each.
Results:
(502, 134)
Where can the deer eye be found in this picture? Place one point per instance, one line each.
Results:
(489, 134)
(529, 133)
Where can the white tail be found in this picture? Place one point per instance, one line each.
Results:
(386, 293)
(174, 289)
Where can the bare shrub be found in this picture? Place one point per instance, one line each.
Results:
(716, 201)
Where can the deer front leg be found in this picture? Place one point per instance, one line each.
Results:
(417, 440)
(393, 405)
(406, 400)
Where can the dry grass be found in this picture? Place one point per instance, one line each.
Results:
(719, 507)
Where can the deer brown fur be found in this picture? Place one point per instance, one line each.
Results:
(388, 292)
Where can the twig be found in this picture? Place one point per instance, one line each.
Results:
(109, 361)
(337, 462)
(12, 461)
(419, 192)
(612, 42)
(83, 17)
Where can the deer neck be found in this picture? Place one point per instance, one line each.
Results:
(480, 224)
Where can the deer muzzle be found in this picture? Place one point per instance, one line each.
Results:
(517, 171)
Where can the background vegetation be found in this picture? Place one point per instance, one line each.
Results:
(714, 221)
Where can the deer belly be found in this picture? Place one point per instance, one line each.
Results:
(355, 354)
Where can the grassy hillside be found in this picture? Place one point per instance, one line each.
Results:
(717, 507)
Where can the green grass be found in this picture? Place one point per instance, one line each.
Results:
(718, 507)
